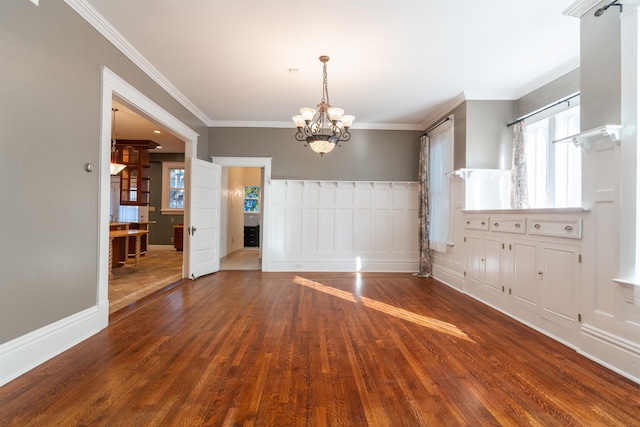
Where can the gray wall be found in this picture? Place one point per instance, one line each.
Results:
(379, 155)
(49, 128)
(481, 137)
(550, 93)
(161, 232)
(489, 141)
(600, 70)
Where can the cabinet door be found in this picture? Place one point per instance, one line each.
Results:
(525, 283)
(475, 261)
(493, 255)
(560, 277)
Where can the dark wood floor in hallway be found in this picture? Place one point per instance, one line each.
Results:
(246, 348)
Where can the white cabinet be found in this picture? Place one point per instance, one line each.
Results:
(532, 276)
(560, 276)
(524, 283)
(484, 267)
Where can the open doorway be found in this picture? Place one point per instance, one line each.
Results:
(114, 88)
(149, 152)
(241, 218)
(238, 173)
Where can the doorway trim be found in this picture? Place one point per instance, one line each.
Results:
(113, 84)
(265, 164)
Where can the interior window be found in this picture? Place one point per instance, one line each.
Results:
(172, 187)
(554, 170)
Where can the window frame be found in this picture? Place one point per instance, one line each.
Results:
(166, 169)
(550, 148)
(447, 162)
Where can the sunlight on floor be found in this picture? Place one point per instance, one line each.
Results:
(400, 313)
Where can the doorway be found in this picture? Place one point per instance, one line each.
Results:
(160, 153)
(244, 170)
(240, 218)
(114, 87)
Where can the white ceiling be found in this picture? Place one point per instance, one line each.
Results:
(395, 64)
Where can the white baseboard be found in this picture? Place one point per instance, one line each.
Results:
(343, 266)
(24, 353)
(616, 353)
(447, 276)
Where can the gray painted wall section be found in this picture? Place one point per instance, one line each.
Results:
(369, 155)
(489, 140)
(481, 138)
(600, 70)
(548, 94)
(49, 128)
(161, 232)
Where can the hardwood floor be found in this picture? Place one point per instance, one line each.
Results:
(246, 348)
(244, 259)
(159, 267)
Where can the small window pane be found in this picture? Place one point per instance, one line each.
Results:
(176, 178)
(176, 199)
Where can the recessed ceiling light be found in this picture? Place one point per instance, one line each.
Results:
(156, 131)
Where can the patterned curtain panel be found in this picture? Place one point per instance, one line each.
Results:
(423, 208)
(519, 190)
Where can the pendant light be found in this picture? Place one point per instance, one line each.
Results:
(115, 167)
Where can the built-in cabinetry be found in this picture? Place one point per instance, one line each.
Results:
(134, 179)
(178, 237)
(527, 265)
(252, 236)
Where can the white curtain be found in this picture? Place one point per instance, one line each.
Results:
(441, 162)
(519, 188)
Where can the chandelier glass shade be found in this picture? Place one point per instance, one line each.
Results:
(114, 167)
(330, 127)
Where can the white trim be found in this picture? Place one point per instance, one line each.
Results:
(602, 346)
(290, 125)
(598, 137)
(265, 229)
(113, 84)
(342, 265)
(444, 110)
(24, 353)
(165, 209)
(580, 8)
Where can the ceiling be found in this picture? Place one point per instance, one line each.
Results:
(395, 64)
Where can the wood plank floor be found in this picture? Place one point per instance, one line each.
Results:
(246, 348)
(162, 266)
(159, 267)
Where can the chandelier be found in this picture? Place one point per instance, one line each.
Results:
(114, 166)
(331, 126)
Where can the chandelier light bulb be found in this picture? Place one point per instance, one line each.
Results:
(307, 113)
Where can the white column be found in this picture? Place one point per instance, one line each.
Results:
(629, 173)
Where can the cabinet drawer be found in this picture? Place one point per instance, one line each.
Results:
(476, 223)
(509, 225)
(571, 229)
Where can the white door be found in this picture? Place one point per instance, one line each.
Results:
(203, 230)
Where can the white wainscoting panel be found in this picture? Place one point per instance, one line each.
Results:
(344, 226)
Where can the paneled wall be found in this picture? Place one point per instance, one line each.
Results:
(344, 226)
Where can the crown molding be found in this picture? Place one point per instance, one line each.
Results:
(289, 125)
(579, 8)
(108, 31)
(443, 111)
